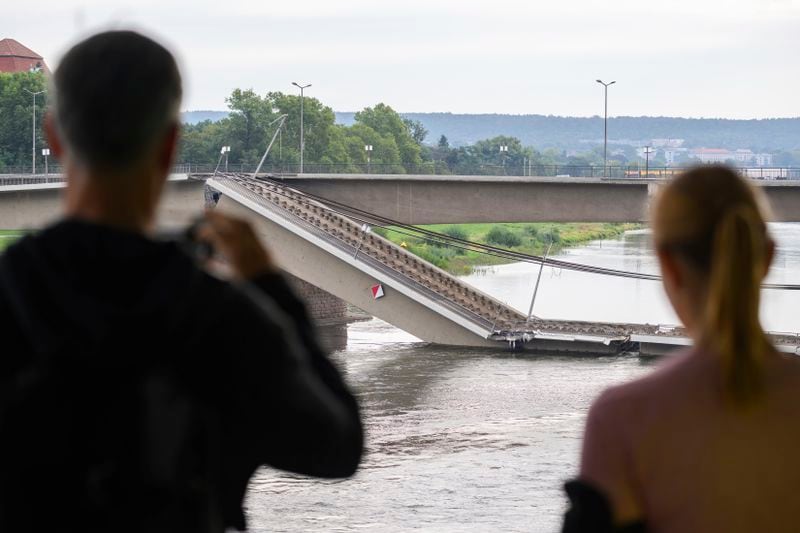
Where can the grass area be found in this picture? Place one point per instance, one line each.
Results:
(7, 237)
(533, 238)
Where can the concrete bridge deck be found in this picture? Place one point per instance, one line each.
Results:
(413, 199)
(331, 251)
(442, 303)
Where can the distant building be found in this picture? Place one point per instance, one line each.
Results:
(14, 57)
(671, 155)
(740, 156)
(762, 160)
(711, 155)
(667, 143)
(642, 152)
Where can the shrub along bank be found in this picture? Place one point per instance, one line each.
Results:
(529, 238)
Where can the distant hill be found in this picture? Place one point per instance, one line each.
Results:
(543, 131)
(194, 117)
(573, 132)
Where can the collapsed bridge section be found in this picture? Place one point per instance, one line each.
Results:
(339, 254)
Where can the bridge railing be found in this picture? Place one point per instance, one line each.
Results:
(29, 179)
(23, 175)
(368, 257)
(561, 171)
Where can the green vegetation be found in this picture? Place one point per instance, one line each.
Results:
(396, 143)
(503, 236)
(7, 237)
(423, 143)
(526, 238)
(16, 107)
(335, 141)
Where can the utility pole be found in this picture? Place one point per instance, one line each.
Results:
(281, 120)
(538, 280)
(605, 127)
(33, 135)
(302, 139)
(365, 230)
(223, 152)
(647, 151)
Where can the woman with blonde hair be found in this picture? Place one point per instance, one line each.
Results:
(709, 442)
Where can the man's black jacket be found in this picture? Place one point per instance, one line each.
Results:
(106, 308)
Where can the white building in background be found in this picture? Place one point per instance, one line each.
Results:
(762, 160)
(741, 156)
(671, 155)
(667, 143)
(711, 155)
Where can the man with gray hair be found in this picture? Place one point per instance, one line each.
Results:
(138, 392)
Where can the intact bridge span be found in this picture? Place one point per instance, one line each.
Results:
(330, 249)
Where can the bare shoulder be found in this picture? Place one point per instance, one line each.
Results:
(676, 373)
(665, 373)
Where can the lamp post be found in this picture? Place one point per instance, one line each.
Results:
(504, 153)
(223, 152)
(368, 149)
(33, 134)
(302, 140)
(605, 127)
(46, 153)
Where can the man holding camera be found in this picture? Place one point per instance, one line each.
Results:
(138, 392)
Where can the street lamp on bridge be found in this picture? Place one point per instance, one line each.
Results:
(605, 127)
(224, 151)
(368, 149)
(33, 150)
(302, 140)
(503, 154)
(46, 154)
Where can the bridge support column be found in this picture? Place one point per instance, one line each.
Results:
(324, 307)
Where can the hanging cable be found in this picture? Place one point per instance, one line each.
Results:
(388, 224)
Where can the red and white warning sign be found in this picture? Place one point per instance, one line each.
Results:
(377, 291)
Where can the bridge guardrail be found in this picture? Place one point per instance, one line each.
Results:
(562, 171)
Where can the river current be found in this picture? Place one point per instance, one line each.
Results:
(480, 440)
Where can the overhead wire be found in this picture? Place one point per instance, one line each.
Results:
(388, 224)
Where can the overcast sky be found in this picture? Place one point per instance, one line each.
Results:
(709, 58)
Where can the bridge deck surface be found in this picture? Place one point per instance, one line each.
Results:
(505, 323)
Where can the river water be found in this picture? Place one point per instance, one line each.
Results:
(477, 440)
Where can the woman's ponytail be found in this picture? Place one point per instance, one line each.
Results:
(738, 263)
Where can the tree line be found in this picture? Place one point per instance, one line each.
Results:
(252, 122)
(399, 143)
(543, 131)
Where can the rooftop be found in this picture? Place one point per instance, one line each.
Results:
(16, 57)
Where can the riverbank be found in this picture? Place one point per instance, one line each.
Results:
(529, 238)
(7, 237)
